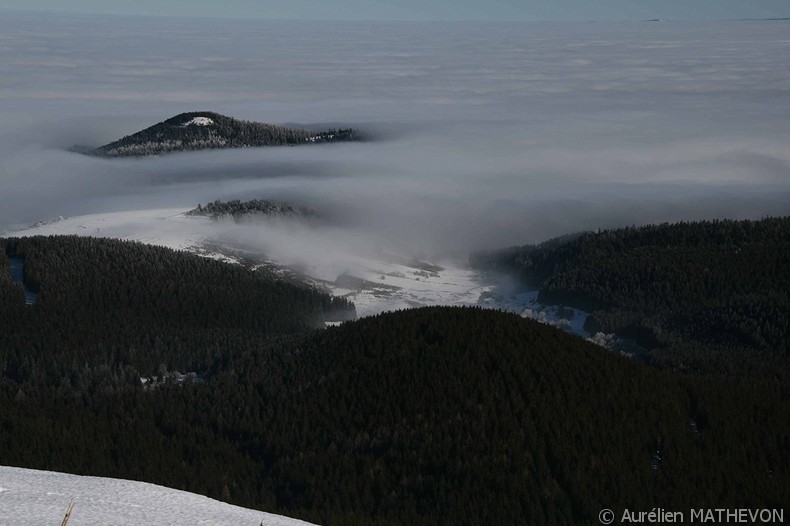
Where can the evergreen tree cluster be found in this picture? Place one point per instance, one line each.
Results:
(710, 296)
(237, 210)
(429, 416)
(10, 293)
(175, 135)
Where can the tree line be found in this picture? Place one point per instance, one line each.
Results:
(707, 297)
(238, 210)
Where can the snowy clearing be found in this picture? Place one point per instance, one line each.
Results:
(167, 227)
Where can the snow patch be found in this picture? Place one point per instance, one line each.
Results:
(198, 121)
(527, 306)
(602, 339)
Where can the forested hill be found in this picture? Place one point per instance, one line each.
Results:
(205, 130)
(709, 296)
(420, 417)
(109, 312)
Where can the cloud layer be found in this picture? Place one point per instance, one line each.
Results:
(488, 134)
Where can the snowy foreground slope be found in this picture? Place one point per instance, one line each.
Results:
(39, 498)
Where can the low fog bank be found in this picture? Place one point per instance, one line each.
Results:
(410, 196)
(486, 135)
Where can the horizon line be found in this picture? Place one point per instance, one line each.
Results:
(378, 20)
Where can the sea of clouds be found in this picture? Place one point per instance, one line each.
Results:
(483, 135)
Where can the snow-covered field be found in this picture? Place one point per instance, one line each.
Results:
(379, 285)
(167, 227)
(375, 284)
(39, 498)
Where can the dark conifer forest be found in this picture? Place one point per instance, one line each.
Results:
(421, 417)
(706, 297)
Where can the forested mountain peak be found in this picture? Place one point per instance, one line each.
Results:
(203, 130)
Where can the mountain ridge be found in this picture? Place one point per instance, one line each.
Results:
(718, 287)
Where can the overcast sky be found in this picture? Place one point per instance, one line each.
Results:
(521, 10)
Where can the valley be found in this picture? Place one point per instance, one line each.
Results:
(375, 283)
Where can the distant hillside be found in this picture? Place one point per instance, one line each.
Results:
(707, 296)
(208, 130)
